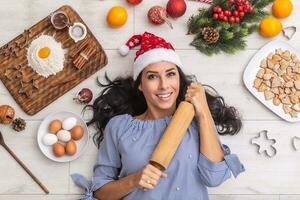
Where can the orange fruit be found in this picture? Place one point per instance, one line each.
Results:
(270, 27)
(117, 16)
(282, 8)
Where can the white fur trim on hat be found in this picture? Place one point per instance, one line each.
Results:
(124, 50)
(153, 56)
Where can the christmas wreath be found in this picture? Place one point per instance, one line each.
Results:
(224, 25)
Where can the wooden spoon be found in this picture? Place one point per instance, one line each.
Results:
(22, 164)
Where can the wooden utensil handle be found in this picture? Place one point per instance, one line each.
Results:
(174, 133)
(26, 169)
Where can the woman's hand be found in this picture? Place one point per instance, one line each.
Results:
(148, 177)
(195, 94)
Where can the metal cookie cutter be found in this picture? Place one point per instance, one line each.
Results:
(296, 142)
(265, 144)
(289, 32)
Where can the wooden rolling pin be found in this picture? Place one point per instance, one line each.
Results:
(173, 135)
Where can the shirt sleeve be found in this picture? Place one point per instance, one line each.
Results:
(214, 174)
(108, 164)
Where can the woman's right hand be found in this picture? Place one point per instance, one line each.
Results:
(148, 177)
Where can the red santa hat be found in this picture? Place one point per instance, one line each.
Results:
(153, 49)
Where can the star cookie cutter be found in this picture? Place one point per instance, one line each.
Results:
(265, 144)
(296, 143)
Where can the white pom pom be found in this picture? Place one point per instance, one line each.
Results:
(124, 50)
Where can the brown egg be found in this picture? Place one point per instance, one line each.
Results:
(55, 126)
(77, 132)
(58, 149)
(71, 148)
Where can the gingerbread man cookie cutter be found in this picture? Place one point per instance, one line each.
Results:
(265, 144)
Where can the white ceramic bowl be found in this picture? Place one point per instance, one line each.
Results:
(47, 150)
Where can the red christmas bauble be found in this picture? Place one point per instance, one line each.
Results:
(176, 8)
(157, 15)
(134, 2)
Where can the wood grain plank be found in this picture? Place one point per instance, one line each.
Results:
(289, 197)
(14, 180)
(264, 175)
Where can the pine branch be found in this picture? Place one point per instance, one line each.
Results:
(259, 4)
(224, 36)
(255, 17)
(197, 21)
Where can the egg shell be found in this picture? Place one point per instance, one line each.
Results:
(58, 149)
(54, 126)
(77, 132)
(49, 139)
(71, 148)
(64, 135)
(69, 123)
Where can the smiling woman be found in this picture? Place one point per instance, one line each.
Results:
(131, 115)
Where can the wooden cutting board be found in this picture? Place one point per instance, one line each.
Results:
(32, 91)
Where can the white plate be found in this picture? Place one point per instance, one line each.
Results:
(47, 150)
(253, 67)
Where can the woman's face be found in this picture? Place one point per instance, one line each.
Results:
(160, 85)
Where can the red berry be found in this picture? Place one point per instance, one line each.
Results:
(240, 8)
(241, 14)
(235, 13)
(216, 16)
(227, 13)
(247, 2)
(239, 1)
(231, 19)
(215, 9)
(231, 1)
(221, 15)
(251, 9)
(237, 19)
(219, 10)
(225, 19)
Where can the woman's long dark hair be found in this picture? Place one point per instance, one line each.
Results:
(122, 96)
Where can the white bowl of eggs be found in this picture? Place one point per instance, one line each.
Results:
(63, 136)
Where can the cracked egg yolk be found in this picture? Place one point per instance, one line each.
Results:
(44, 52)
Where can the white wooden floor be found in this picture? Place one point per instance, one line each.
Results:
(265, 178)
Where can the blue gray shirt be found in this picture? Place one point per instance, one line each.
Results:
(128, 145)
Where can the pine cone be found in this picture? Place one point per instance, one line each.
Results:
(18, 124)
(210, 35)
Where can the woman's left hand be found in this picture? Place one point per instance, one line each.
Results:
(195, 94)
